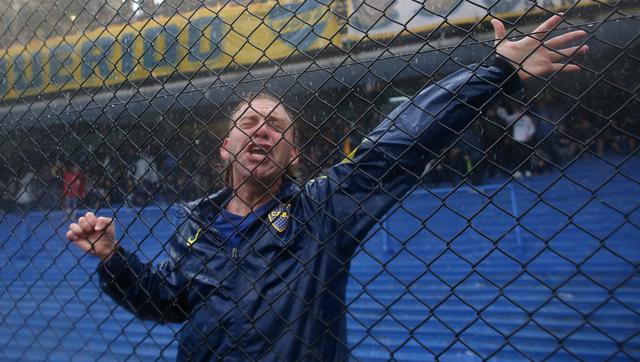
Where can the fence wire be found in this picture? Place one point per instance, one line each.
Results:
(320, 180)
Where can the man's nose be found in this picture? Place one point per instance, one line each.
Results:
(261, 130)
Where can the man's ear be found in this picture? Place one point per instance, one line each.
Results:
(224, 152)
(295, 156)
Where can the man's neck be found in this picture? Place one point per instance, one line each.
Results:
(249, 196)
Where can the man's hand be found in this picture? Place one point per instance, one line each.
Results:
(95, 235)
(534, 56)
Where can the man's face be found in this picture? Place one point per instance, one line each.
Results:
(260, 145)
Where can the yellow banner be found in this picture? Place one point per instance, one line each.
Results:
(187, 43)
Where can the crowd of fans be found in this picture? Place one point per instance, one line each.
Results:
(132, 178)
(514, 141)
(508, 141)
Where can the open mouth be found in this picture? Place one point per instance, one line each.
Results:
(260, 151)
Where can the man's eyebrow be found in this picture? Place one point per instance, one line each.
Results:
(278, 117)
(247, 116)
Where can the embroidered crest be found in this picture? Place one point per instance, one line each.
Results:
(279, 217)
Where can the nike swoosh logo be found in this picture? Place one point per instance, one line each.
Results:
(192, 240)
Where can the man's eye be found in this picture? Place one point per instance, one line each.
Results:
(245, 124)
(276, 125)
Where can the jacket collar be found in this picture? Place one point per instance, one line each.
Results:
(206, 210)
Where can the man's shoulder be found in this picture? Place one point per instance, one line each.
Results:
(195, 216)
(205, 200)
(206, 206)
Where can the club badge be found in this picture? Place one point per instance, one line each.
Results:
(279, 217)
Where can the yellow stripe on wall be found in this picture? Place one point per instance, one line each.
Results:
(202, 40)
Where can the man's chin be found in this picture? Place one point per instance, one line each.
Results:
(262, 175)
(265, 179)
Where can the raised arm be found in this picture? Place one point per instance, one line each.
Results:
(389, 162)
(150, 292)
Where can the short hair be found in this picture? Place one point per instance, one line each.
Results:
(247, 100)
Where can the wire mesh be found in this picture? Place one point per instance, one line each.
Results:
(370, 182)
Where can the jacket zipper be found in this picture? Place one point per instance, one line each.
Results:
(236, 297)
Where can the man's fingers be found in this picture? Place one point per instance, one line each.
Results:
(499, 30)
(558, 55)
(76, 229)
(84, 244)
(71, 235)
(87, 234)
(560, 41)
(102, 223)
(541, 31)
(91, 219)
(565, 67)
(84, 224)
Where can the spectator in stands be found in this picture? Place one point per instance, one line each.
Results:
(6, 194)
(523, 134)
(26, 195)
(456, 166)
(472, 140)
(492, 133)
(545, 116)
(632, 132)
(145, 171)
(566, 147)
(144, 179)
(48, 185)
(615, 138)
(168, 164)
(580, 128)
(259, 269)
(134, 193)
(98, 193)
(73, 189)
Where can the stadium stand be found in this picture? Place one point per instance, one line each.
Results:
(563, 283)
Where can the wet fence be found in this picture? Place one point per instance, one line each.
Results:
(510, 236)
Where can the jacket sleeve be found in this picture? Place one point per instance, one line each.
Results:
(150, 292)
(356, 193)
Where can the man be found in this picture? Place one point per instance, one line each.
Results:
(259, 269)
(523, 134)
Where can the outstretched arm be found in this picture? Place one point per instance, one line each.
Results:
(391, 159)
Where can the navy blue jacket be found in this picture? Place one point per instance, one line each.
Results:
(280, 295)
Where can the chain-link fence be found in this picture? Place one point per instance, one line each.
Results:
(370, 180)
